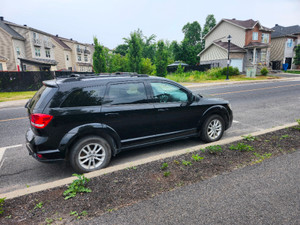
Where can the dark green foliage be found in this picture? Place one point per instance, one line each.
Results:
(264, 71)
(241, 147)
(121, 49)
(232, 71)
(297, 55)
(99, 59)
(161, 61)
(135, 52)
(214, 149)
(1, 205)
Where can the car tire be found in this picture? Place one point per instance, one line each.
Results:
(89, 154)
(212, 128)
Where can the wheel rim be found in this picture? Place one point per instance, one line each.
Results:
(91, 156)
(214, 129)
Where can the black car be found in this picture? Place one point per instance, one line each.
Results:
(88, 119)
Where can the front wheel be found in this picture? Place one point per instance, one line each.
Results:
(90, 154)
(213, 128)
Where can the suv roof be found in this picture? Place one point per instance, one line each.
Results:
(101, 78)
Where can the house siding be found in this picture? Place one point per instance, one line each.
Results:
(213, 53)
(6, 50)
(277, 49)
(223, 30)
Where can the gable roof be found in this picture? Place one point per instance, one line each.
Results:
(61, 43)
(280, 31)
(243, 24)
(224, 46)
(11, 31)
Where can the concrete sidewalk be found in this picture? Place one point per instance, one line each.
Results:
(266, 193)
(10, 104)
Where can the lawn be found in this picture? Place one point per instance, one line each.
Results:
(292, 71)
(12, 96)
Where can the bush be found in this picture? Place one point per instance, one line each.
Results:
(264, 71)
(180, 69)
(232, 71)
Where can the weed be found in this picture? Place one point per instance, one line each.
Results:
(110, 210)
(131, 168)
(38, 205)
(48, 221)
(298, 121)
(261, 157)
(176, 162)
(181, 183)
(202, 150)
(214, 149)
(241, 147)
(78, 215)
(284, 136)
(164, 166)
(2, 205)
(249, 138)
(167, 173)
(186, 163)
(197, 157)
(8, 217)
(77, 186)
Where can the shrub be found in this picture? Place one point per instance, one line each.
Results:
(264, 71)
(180, 69)
(232, 71)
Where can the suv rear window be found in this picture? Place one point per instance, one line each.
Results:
(40, 97)
(87, 96)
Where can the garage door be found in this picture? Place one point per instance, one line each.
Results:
(237, 63)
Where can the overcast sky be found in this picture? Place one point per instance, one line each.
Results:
(111, 20)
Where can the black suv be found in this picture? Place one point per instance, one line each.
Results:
(88, 119)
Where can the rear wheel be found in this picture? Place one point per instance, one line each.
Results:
(213, 128)
(90, 154)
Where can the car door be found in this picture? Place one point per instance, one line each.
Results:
(177, 115)
(129, 112)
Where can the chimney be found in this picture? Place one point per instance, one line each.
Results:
(276, 25)
(25, 25)
(1, 18)
(56, 35)
(71, 39)
(233, 18)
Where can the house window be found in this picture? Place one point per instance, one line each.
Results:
(37, 52)
(47, 53)
(85, 58)
(289, 43)
(35, 35)
(79, 57)
(24, 68)
(18, 51)
(255, 36)
(1, 67)
(67, 56)
(264, 38)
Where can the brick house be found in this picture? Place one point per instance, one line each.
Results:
(249, 47)
(283, 45)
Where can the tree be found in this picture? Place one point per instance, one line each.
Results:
(135, 52)
(99, 60)
(210, 22)
(121, 49)
(161, 61)
(192, 33)
(147, 67)
(297, 56)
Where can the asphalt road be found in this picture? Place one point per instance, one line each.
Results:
(256, 106)
(266, 193)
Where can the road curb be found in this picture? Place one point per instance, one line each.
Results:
(65, 181)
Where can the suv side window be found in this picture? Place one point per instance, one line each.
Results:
(87, 96)
(127, 93)
(165, 92)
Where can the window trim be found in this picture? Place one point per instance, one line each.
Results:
(256, 35)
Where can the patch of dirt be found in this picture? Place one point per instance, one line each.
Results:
(122, 188)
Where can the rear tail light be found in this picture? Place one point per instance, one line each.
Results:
(39, 120)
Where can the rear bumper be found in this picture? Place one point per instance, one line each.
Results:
(34, 143)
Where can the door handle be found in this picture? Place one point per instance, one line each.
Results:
(162, 110)
(112, 114)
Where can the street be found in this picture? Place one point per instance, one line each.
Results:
(256, 106)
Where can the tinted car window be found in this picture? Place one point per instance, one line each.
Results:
(40, 97)
(88, 96)
(164, 92)
(128, 93)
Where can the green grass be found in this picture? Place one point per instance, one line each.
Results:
(212, 75)
(292, 71)
(12, 96)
